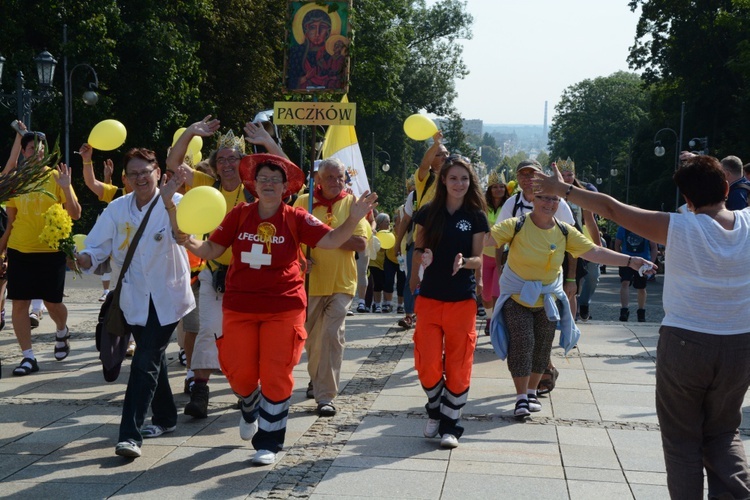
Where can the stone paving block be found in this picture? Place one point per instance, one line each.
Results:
(649, 492)
(393, 446)
(563, 395)
(651, 478)
(594, 457)
(596, 490)
(457, 466)
(391, 426)
(638, 450)
(578, 411)
(101, 468)
(10, 464)
(380, 483)
(605, 475)
(409, 464)
(400, 403)
(493, 487)
(188, 471)
(35, 489)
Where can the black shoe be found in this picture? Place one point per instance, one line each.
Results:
(197, 407)
(310, 393)
(641, 315)
(624, 314)
(584, 312)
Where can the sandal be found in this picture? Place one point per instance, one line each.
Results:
(487, 327)
(549, 379)
(406, 322)
(28, 365)
(326, 410)
(182, 357)
(62, 352)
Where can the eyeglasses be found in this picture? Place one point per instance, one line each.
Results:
(548, 199)
(269, 180)
(227, 160)
(135, 175)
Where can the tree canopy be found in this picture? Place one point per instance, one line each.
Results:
(162, 65)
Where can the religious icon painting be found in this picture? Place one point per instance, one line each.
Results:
(317, 53)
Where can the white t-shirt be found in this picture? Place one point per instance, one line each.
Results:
(707, 280)
(524, 207)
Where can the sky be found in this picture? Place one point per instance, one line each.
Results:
(526, 52)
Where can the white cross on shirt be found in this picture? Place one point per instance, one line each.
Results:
(256, 257)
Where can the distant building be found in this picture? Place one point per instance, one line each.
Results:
(473, 127)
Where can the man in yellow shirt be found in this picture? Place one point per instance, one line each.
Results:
(428, 172)
(333, 282)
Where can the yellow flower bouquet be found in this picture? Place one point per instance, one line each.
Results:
(57, 232)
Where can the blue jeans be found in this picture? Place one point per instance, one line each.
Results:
(148, 384)
(408, 297)
(589, 283)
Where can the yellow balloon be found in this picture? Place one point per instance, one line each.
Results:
(177, 135)
(80, 241)
(419, 127)
(201, 210)
(387, 239)
(196, 143)
(197, 157)
(107, 135)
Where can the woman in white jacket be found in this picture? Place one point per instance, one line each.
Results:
(155, 294)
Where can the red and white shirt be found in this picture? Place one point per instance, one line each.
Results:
(265, 275)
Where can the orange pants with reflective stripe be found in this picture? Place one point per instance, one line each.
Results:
(261, 348)
(450, 328)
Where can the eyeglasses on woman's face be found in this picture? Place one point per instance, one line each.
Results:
(134, 176)
(548, 199)
(262, 179)
(227, 160)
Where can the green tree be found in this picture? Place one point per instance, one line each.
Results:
(698, 52)
(596, 120)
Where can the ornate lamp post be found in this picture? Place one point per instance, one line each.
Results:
(25, 99)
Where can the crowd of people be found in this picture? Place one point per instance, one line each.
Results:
(280, 274)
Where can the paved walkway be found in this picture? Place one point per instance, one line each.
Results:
(596, 436)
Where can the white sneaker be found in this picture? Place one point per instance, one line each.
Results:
(248, 430)
(104, 296)
(264, 457)
(431, 428)
(449, 441)
(128, 449)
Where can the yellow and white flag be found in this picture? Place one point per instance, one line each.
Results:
(341, 142)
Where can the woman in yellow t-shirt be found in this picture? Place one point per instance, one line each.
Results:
(34, 269)
(523, 323)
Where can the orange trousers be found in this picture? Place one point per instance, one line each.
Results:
(445, 328)
(261, 348)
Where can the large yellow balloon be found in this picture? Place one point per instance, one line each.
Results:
(80, 241)
(387, 239)
(419, 127)
(196, 143)
(201, 210)
(107, 135)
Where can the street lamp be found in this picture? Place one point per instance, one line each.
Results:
(660, 151)
(385, 166)
(25, 99)
(703, 141)
(90, 97)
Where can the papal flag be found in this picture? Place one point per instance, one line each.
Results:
(341, 142)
